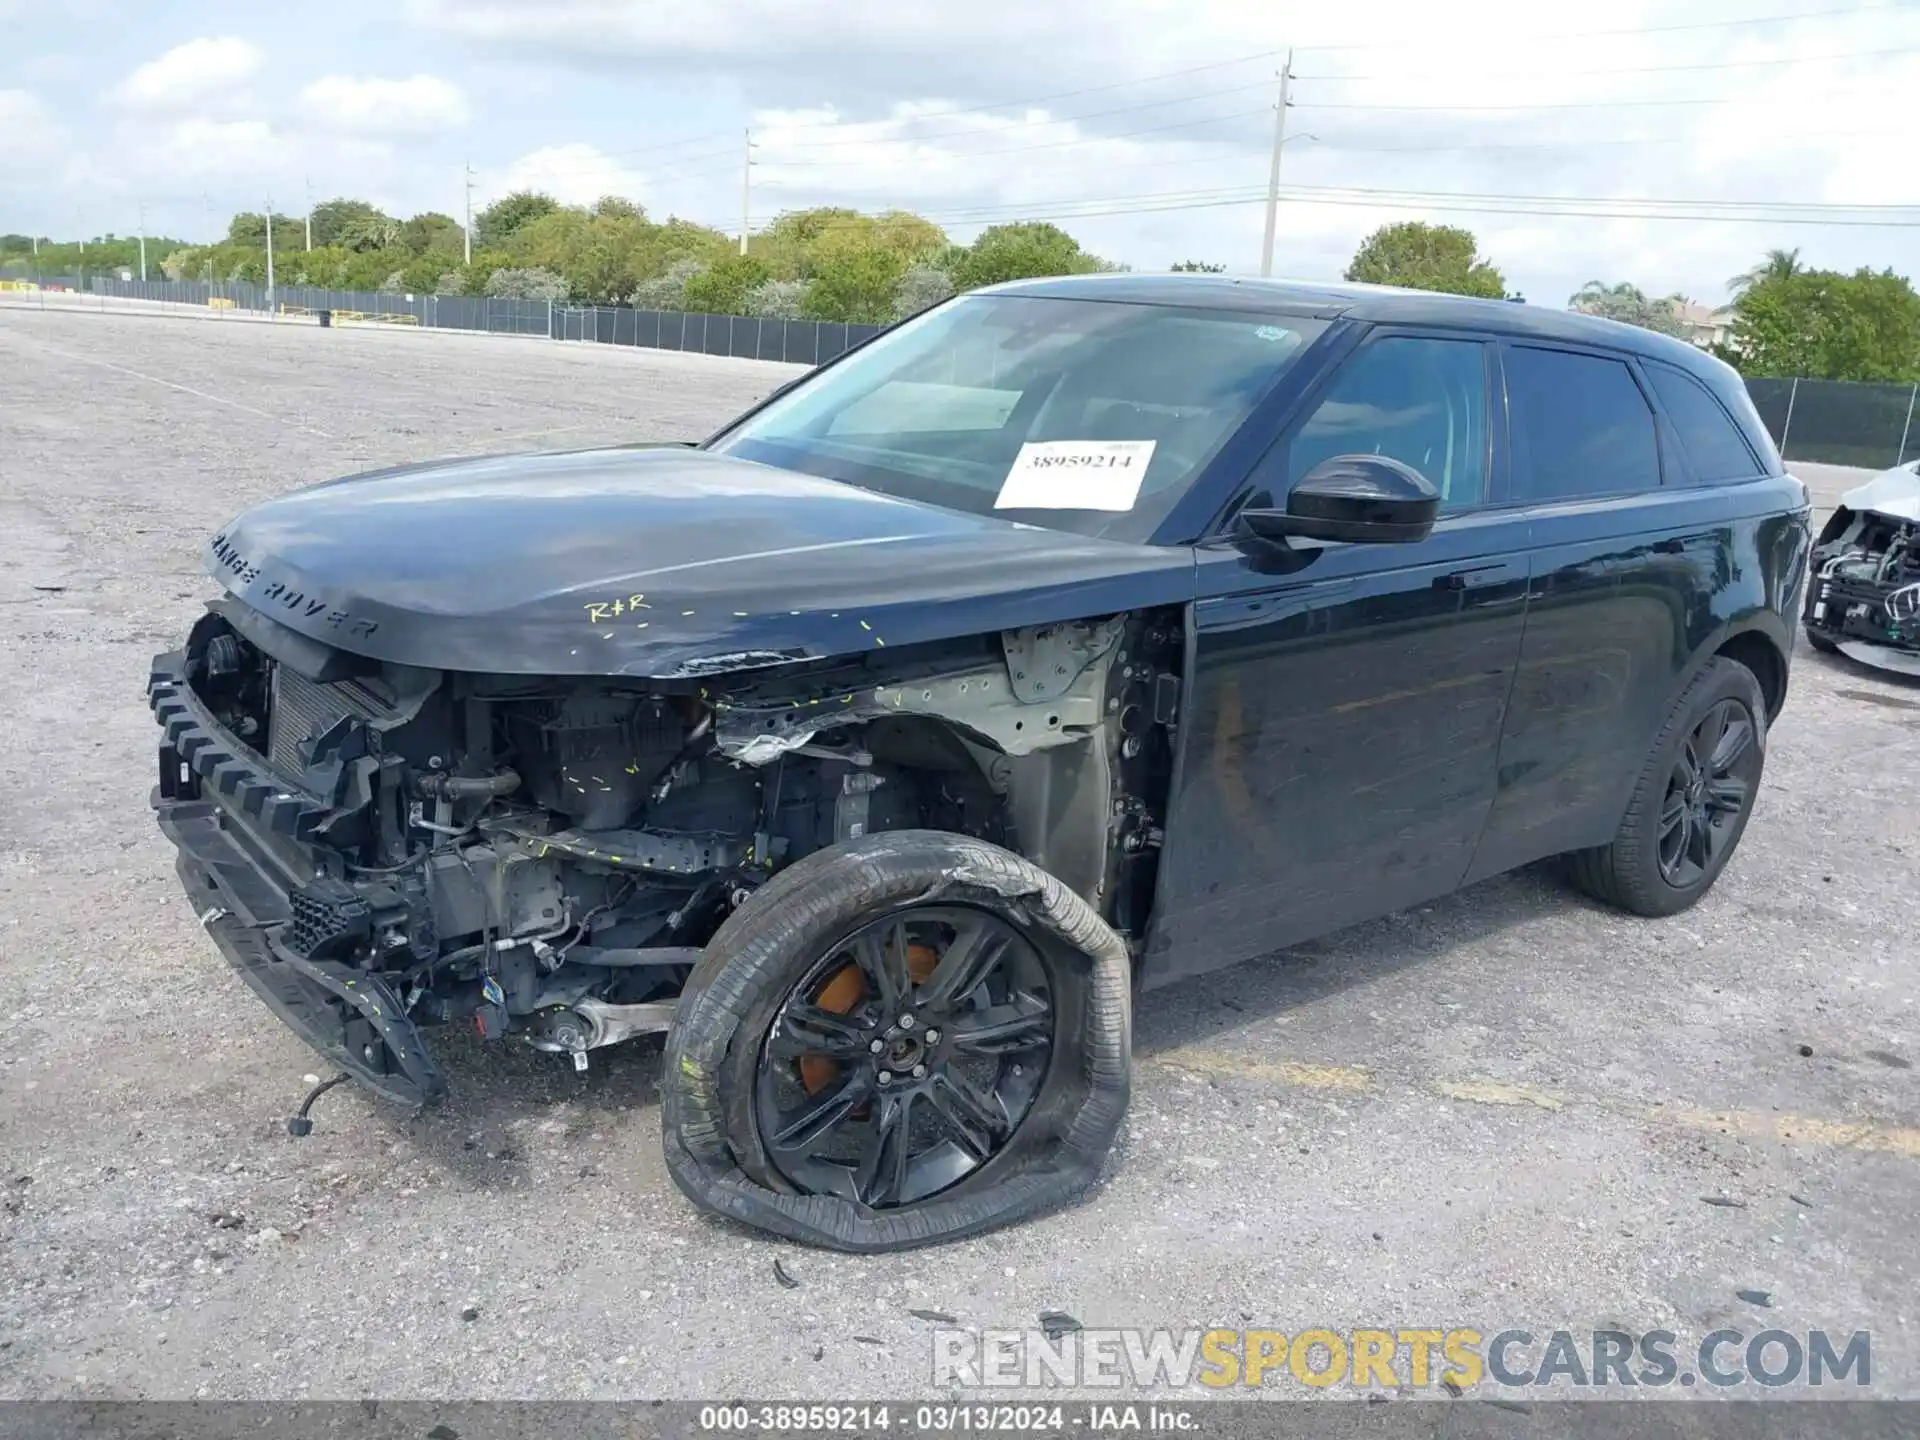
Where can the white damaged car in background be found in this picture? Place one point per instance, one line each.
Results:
(1864, 601)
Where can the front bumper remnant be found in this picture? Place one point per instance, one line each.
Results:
(234, 824)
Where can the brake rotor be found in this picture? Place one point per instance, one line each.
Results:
(846, 989)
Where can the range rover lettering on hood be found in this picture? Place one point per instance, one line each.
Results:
(667, 563)
(277, 597)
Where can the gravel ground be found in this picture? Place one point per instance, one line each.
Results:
(1510, 1108)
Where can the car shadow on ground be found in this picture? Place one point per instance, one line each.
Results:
(497, 1091)
(1846, 667)
(1196, 1010)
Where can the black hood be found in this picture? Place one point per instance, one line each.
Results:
(662, 562)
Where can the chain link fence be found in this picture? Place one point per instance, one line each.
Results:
(1834, 422)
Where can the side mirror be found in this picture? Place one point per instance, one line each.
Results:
(1358, 498)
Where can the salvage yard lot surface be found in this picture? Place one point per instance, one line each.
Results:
(1508, 1109)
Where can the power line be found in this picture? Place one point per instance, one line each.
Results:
(1024, 124)
(1428, 43)
(1059, 94)
(671, 144)
(1275, 53)
(1540, 105)
(1650, 208)
(1807, 205)
(1634, 69)
(1582, 144)
(1051, 145)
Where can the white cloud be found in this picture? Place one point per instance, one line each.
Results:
(200, 149)
(191, 73)
(370, 104)
(35, 141)
(576, 174)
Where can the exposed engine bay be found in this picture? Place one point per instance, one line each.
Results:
(544, 858)
(1864, 599)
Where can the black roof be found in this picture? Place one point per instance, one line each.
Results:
(1376, 304)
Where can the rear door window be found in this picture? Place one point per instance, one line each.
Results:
(1715, 448)
(1582, 424)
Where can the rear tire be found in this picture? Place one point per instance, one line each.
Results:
(1691, 803)
(773, 1113)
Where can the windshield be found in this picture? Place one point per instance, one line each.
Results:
(1084, 415)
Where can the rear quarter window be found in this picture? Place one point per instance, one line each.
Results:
(1585, 426)
(1715, 448)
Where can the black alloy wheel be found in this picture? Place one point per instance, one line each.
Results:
(906, 1058)
(1692, 801)
(1714, 777)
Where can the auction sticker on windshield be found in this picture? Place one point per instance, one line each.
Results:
(1076, 475)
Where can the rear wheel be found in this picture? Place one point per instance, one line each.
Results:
(909, 1038)
(1692, 802)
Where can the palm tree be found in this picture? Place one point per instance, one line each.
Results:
(1779, 265)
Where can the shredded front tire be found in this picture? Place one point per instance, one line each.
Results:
(727, 1030)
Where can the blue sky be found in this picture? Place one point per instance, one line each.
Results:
(1003, 109)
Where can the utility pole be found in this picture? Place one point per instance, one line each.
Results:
(746, 176)
(143, 242)
(467, 229)
(269, 257)
(1273, 173)
(309, 185)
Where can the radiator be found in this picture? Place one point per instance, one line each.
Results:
(301, 710)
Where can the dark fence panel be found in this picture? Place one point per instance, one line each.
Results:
(1772, 398)
(1843, 423)
(751, 337)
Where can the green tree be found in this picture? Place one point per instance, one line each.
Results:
(618, 207)
(431, 233)
(667, 290)
(1828, 326)
(366, 232)
(421, 275)
(1417, 256)
(1778, 265)
(1016, 252)
(534, 284)
(332, 217)
(778, 299)
(724, 286)
(1629, 305)
(855, 283)
(1199, 267)
(248, 228)
(496, 224)
(921, 288)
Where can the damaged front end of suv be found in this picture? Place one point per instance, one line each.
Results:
(1864, 599)
(521, 789)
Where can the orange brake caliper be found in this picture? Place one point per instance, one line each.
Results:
(846, 989)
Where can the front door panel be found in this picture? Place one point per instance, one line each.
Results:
(1338, 740)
